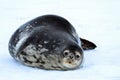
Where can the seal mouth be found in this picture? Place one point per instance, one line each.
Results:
(71, 64)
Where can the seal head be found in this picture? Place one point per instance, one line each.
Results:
(73, 57)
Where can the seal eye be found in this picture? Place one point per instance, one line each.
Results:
(66, 53)
(77, 56)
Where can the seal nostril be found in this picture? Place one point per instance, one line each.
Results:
(71, 57)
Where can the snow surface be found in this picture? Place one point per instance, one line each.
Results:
(95, 20)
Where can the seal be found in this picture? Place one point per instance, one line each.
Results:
(48, 42)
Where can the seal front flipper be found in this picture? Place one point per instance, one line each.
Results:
(87, 45)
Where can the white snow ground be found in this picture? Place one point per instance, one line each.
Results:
(96, 20)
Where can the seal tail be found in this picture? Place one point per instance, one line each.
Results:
(87, 45)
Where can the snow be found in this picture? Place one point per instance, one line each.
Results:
(95, 20)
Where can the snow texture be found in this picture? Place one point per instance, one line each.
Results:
(95, 20)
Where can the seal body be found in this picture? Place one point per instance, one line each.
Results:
(47, 42)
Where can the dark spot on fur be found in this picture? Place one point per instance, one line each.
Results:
(56, 67)
(40, 58)
(41, 66)
(59, 61)
(37, 61)
(46, 56)
(42, 62)
(34, 56)
(27, 61)
(23, 53)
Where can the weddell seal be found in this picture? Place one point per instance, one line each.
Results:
(48, 42)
